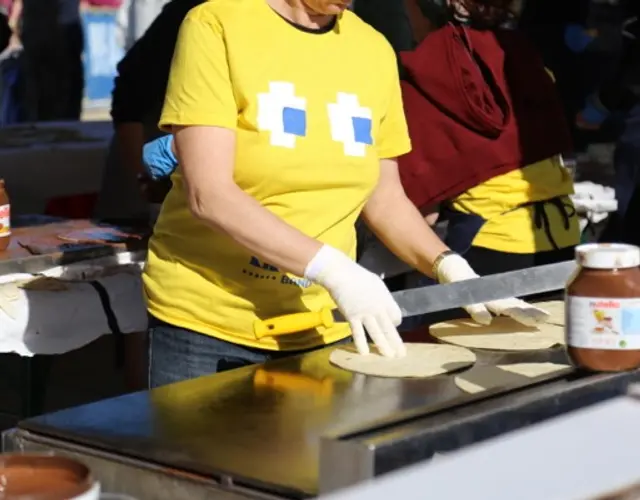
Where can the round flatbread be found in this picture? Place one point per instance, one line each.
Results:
(555, 308)
(482, 378)
(504, 333)
(422, 360)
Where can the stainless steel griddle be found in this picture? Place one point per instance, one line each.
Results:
(297, 427)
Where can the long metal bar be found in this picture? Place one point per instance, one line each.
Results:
(520, 283)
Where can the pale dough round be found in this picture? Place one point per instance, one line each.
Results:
(504, 333)
(482, 378)
(422, 360)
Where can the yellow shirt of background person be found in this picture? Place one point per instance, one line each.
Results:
(510, 226)
(511, 222)
(314, 113)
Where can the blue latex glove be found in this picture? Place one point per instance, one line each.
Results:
(158, 158)
(592, 115)
(577, 38)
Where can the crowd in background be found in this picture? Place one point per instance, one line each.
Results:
(42, 44)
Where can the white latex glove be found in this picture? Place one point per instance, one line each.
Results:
(455, 268)
(362, 298)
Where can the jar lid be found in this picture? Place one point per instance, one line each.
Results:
(608, 256)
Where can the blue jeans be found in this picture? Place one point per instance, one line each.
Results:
(177, 354)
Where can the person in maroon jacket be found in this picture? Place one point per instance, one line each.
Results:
(488, 133)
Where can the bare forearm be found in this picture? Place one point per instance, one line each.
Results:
(252, 226)
(399, 224)
(207, 158)
(405, 232)
(130, 138)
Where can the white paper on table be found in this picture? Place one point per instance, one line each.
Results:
(55, 322)
(594, 201)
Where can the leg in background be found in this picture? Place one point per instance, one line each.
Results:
(5, 31)
(136, 362)
(627, 161)
(622, 225)
(72, 71)
(485, 261)
(33, 385)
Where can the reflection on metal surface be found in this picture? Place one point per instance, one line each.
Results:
(523, 282)
(261, 425)
(294, 382)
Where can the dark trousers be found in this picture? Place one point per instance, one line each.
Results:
(177, 354)
(484, 261)
(627, 161)
(623, 225)
(54, 73)
(5, 32)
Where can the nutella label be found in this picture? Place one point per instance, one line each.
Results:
(597, 323)
(5, 220)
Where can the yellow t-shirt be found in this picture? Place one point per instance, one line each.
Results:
(314, 113)
(511, 225)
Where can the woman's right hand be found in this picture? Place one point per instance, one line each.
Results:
(362, 298)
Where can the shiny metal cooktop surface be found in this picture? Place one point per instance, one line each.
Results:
(261, 425)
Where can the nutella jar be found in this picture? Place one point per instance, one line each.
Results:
(5, 218)
(40, 477)
(603, 308)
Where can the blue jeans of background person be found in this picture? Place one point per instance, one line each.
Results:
(627, 161)
(177, 354)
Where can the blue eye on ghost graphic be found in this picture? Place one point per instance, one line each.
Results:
(362, 130)
(295, 121)
(351, 124)
(282, 114)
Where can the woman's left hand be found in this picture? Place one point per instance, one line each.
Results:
(454, 268)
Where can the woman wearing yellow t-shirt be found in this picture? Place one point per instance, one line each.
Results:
(287, 118)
